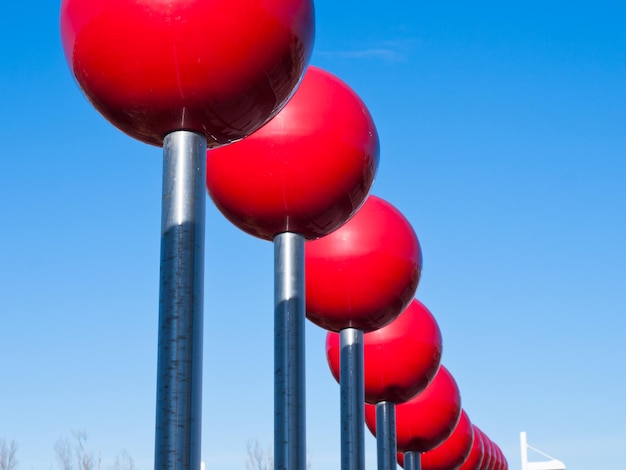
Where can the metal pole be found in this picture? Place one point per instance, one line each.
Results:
(181, 298)
(386, 435)
(352, 399)
(289, 372)
(412, 461)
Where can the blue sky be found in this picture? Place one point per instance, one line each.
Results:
(502, 141)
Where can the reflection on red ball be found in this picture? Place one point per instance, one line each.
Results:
(365, 273)
(454, 451)
(220, 68)
(401, 358)
(306, 171)
(426, 420)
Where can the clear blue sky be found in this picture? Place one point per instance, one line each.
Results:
(503, 141)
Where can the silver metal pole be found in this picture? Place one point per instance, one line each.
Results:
(181, 298)
(412, 461)
(351, 376)
(289, 372)
(386, 435)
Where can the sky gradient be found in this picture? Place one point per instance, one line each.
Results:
(502, 141)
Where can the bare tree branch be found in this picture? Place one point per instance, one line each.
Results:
(124, 461)
(257, 458)
(78, 456)
(8, 461)
(63, 450)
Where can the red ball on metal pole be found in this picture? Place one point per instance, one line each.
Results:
(358, 279)
(184, 74)
(299, 177)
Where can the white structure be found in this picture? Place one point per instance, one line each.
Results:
(552, 464)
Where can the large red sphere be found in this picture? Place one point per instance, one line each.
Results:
(306, 171)
(453, 452)
(220, 68)
(474, 460)
(366, 272)
(401, 358)
(426, 420)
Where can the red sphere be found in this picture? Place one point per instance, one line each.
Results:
(401, 358)
(505, 464)
(474, 460)
(499, 457)
(488, 462)
(426, 420)
(493, 464)
(221, 68)
(496, 456)
(366, 272)
(306, 171)
(453, 452)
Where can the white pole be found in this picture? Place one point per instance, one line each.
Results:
(524, 449)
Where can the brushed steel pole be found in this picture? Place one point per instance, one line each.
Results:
(351, 380)
(386, 435)
(181, 298)
(412, 461)
(289, 364)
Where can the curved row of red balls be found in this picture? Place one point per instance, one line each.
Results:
(362, 261)
(289, 151)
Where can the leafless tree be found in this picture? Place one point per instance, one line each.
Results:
(77, 456)
(258, 459)
(8, 461)
(124, 461)
(63, 450)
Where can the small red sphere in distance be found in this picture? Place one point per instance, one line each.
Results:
(505, 463)
(220, 68)
(454, 451)
(365, 273)
(488, 457)
(496, 456)
(426, 420)
(401, 358)
(306, 171)
(475, 457)
(500, 458)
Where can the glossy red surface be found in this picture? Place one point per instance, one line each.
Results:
(499, 457)
(454, 451)
(366, 272)
(493, 465)
(475, 457)
(426, 420)
(306, 171)
(504, 463)
(488, 456)
(401, 358)
(221, 68)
